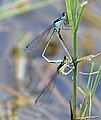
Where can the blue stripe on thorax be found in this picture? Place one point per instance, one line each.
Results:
(57, 24)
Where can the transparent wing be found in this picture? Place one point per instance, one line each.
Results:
(47, 91)
(36, 43)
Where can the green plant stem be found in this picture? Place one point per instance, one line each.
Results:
(93, 90)
(77, 21)
(89, 80)
(81, 12)
(75, 45)
(74, 92)
(75, 52)
(75, 11)
(72, 2)
(87, 88)
(69, 13)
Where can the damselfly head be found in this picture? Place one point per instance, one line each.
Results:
(65, 59)
(63, 14)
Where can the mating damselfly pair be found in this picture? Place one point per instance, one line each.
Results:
(67, 62)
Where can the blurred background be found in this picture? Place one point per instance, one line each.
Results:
(27, 74)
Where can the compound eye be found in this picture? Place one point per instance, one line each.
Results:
(65, 57)
(63, 14)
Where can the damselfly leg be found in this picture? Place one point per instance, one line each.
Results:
(43, 54)
(64, 47)
(65, 25)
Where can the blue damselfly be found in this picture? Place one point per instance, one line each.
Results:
(48, 33)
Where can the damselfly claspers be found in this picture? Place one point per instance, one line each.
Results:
(67, 62)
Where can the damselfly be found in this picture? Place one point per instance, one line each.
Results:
(67, 62)
(48, 33)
